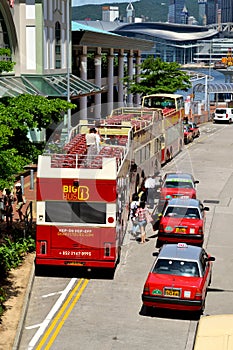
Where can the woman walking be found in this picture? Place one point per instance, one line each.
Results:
(140, 215)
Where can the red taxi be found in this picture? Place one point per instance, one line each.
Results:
(188, 134)
(178, 279)
(182, 220)
(177, 185)
(194, 128)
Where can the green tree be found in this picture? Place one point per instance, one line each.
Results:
(157, 76)
(6, 65)
(17, 116)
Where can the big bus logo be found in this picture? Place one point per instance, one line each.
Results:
(74, 193)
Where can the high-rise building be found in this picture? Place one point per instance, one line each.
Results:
(202, 5)
(130, 13)
(215, 11)
(175, 9)
(184, 15)
(226, 7)
(110, 13)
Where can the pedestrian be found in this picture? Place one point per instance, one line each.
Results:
(150, 185)
(19, 200)
(134, 205)
(91, 142)
(2, 215)
(140, 215)
(142, 194)
(133, 208)
(98, 139)
(8, 200)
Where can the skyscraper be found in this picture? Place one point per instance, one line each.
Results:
(213, 11)
(226, 7)
(175, 9)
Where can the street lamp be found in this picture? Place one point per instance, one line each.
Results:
(68, 65)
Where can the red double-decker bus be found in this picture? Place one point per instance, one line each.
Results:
(172, 106)
(83, 200)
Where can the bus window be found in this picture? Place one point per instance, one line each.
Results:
(172, 101)
(75, 212)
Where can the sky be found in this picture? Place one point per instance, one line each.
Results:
(96, 2)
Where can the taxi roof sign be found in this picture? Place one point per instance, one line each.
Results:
(182, 245)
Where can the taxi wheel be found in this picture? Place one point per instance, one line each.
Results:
(146, 310)
(202, 307)
(210, 280)
(158, 243)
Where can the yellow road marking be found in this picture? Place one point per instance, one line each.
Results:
(84, 283)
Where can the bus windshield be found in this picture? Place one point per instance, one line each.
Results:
(159, 102)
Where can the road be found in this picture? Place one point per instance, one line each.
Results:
(106, 314)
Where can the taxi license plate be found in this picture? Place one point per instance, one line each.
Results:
(180, 230)
(170, 292)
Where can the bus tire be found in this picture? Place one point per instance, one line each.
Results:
(118, 255)
(167, 156)
(171, 153)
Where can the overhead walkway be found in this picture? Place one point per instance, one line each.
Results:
(224, 88)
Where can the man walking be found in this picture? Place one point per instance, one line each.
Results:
(150, 184)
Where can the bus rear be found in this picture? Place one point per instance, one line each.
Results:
(76, 215)
(172, 107)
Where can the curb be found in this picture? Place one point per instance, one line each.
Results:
(24, 309)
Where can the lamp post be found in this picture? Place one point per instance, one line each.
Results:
(68, 65)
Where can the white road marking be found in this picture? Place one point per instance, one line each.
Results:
(34, 326)
(51, 314)
(51, 294)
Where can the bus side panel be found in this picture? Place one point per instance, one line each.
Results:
(91, 247)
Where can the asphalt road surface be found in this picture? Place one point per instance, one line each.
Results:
(106, 314)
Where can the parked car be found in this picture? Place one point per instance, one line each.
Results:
(182, 220)
(178, 279)
(223, 115)
(177, 185)
(195, 129)
(188, 134)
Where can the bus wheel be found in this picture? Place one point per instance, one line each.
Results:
(181, 145)
(171, 153)
(118, 255)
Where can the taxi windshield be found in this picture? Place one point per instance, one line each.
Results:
(182, 212)
(178, 184)
(176, 267)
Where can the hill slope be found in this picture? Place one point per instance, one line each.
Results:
(151, 10)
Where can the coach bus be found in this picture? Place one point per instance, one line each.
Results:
(214, 332)
(172, 106)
